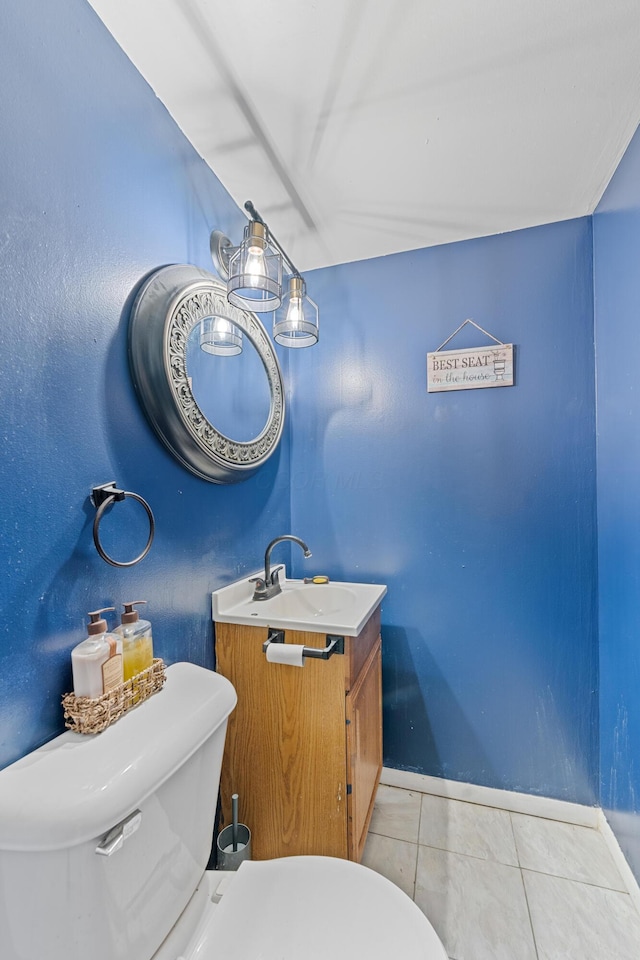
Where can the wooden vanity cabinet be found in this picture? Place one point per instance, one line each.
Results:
(304, 744)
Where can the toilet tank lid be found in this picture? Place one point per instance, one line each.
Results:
(76, 787)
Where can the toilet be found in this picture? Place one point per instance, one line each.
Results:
(104, 842)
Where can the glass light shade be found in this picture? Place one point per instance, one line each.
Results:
(296, 321)
(220, 337)
(255, 272)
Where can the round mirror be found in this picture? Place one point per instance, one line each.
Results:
(206, 374)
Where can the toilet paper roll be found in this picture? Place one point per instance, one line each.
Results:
(290, 653)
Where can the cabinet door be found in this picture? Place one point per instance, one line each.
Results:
(364, 750)
(285, 748)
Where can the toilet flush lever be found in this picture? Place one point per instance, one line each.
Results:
(115, 838)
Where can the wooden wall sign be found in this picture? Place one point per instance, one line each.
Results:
(472, 368)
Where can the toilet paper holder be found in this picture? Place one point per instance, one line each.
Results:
(334, 645)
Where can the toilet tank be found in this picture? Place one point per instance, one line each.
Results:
(72, 886)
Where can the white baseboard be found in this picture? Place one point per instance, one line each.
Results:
(619, 858)
(490, 797)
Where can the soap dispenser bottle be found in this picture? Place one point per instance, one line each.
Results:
(137, 642)
(96, 663)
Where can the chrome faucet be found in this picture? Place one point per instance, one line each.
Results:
(270, 586)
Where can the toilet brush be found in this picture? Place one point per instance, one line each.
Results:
(234, 820)
(234, 841)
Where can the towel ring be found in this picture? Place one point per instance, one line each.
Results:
(102, 498)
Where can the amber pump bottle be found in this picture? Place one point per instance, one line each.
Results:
(137, 641)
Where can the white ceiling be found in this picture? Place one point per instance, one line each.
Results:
(366, 127)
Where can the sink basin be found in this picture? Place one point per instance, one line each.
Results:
(297, 603)
(340, 608)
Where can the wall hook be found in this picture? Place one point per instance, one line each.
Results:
(102, 497)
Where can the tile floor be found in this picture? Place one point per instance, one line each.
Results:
(503, 886)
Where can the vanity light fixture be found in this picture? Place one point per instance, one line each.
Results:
(253, 273)
(296, 321)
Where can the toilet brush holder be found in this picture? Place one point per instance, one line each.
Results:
(228, 858)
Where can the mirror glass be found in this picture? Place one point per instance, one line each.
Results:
(232, 389)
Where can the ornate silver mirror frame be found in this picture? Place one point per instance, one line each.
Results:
(170, 303)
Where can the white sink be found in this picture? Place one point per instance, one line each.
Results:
(340, 608)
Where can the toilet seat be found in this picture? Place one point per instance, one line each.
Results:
(313, 908)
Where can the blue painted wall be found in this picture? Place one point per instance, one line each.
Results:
(97, 188)
(617, 302)
(476, 508)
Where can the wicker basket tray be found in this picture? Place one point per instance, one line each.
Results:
(87, 715)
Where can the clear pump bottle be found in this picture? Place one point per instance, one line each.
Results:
(137, 641)
(96, 663)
